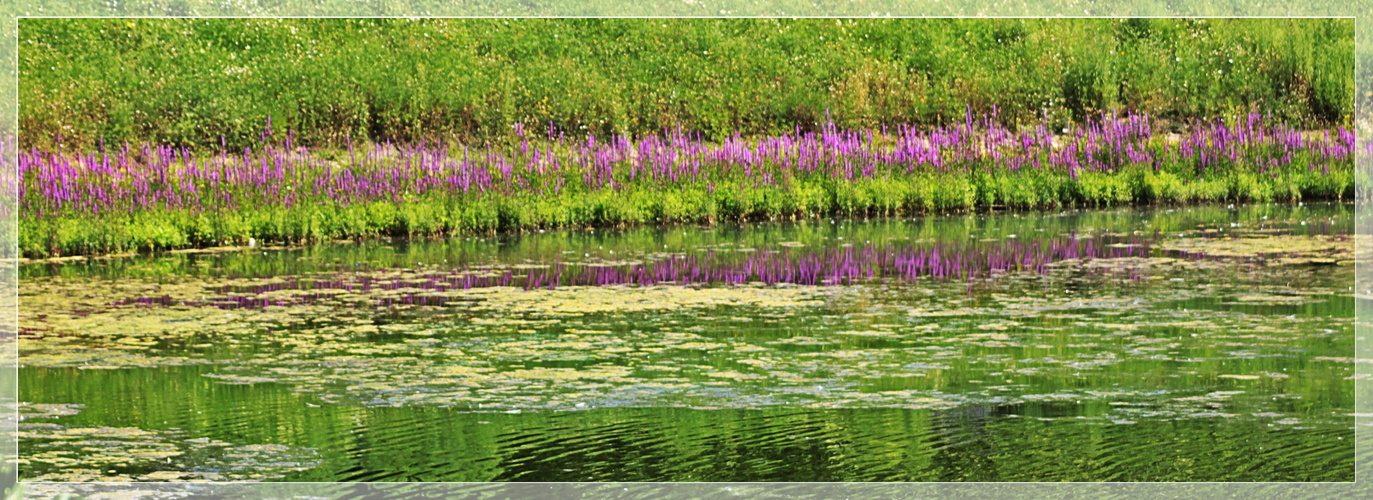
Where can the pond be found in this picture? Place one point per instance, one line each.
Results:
(1208, 343)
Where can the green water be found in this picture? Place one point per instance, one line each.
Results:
(1196, 344)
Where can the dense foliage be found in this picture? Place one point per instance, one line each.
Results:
(121, 198)
(191, 82)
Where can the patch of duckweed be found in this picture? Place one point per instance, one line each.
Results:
(1276, 300)
(577, 301)
(28, 411)
(1281, 249)
(926, 344)
(52, 452)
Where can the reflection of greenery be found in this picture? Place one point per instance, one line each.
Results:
(9, 354)
(979, 443)
(567, 245)
(1051, 449)
(510, 348)
(889, 381)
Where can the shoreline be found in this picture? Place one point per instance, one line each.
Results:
(265, 242)
(164, 198)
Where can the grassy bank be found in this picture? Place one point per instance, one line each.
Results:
(439, 214)
(121, 199)
(190, 82)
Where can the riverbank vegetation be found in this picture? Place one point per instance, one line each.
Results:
(154, 134)
(196, 82)
(122, 199)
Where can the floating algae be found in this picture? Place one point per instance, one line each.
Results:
(63, 453)
(1281, 249)
(95, 354)
(90, 454)
(1276, 300)
(31, 411)
(1102, 329)
(481, 371)
(476, 338)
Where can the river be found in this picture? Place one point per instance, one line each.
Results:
(1206, 343)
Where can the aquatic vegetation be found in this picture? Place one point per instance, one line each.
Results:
(439, 285)
(785, 273)
(503, 348)
(32, 411)
(124, 199)
(518, 282)
(101, 453)
(1115, 329)
(1275, 248)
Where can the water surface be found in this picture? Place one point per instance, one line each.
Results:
(1182, 344)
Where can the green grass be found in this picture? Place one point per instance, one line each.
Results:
(189, 82)
(443, 214)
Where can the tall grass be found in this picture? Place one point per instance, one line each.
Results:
(185, 82)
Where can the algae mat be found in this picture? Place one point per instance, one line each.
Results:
(1183, 344)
